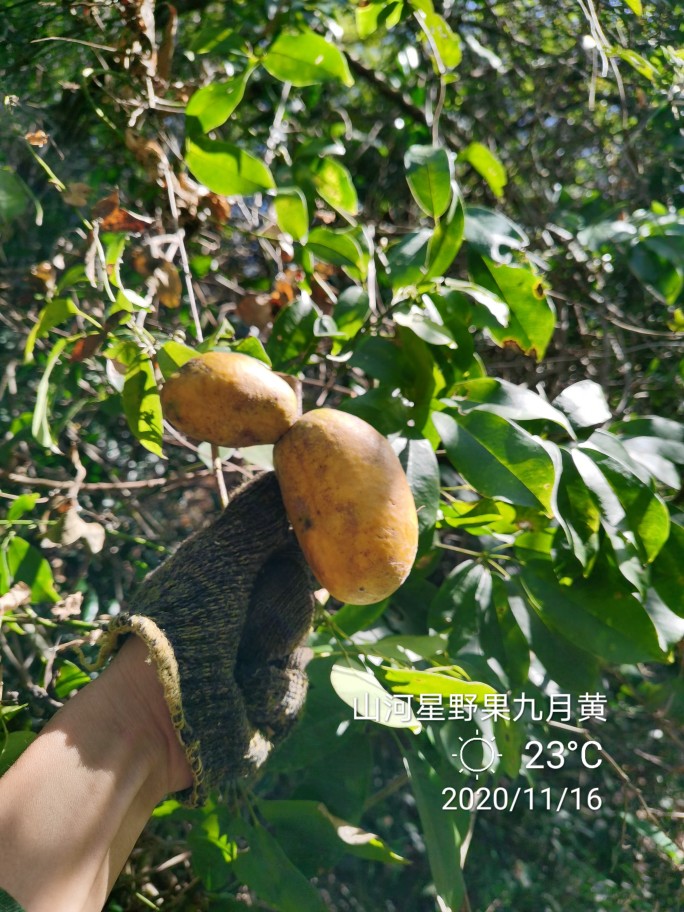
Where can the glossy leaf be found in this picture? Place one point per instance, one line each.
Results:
(508, 400)
(584, 403)
(442, 838)
(578, 512)
(462, 596)
(592, 614)
(429, 175)
(292, 334)
(213, 104)
(408, 681)
(493, 234)
(645, 514)
(667, 571)
(487, 166)
(362, 691)
(335, 247)
(304, 58)
(376, 14)
(447, 236)
(422, 471)
(443, 41)
(53, 314)
(292, 213)
(266, 869)
(407, 259)
(502, 638)
(334, 184)
(12, 746)
(40, 426)
(14, 198)
(226, 168)
(532, 318)
(173, 355)
(498, 458)
(142, 405)
(27, 565)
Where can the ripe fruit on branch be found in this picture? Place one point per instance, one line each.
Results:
(349, 503)
(229, 399)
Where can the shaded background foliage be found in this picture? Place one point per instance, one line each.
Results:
(563, 117)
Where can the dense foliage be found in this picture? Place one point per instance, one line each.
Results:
(462, 224)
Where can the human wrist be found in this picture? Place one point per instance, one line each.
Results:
(137, 699)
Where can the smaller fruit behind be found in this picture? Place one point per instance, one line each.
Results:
(229, 399)
(349, 503)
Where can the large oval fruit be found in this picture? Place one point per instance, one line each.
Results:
(349, 503)
(230, 400)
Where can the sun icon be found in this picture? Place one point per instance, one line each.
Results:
(476, 755)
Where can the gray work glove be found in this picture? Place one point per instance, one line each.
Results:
(225, 619)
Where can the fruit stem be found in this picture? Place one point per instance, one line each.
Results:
(217, 467)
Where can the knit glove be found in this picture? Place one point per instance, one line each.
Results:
(224, 620)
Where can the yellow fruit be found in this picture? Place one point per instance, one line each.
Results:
(230, 400)
(349, 503)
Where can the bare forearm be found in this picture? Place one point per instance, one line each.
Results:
(74, 804)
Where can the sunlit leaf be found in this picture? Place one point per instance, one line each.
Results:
(304, 58)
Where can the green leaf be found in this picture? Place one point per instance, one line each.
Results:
(292, 335)
(267, 870)
(351, 311)
(173, 355)
(429, 176)
(659, 275)
(377, 13)
(578, 512)
(57, 311)
(226, 168)
(406, 259)
(442, 838)
(430, 329)
(14, 198)
(532, 318)
(502, 638)
(408, 681)
(584, 403)
(40, 427)
(361, 690)
(13, 746)
(337, 247)
(304, 58)
(498, 458)
(142, 406)
(487, 166)
(645, 514)
(508, 400)
(23, 504)
(352, 618)
(334, 184)
(292, 213)
(443, 40)
(595, 615)
(253, 347)
(635, 6)
(492, 234)
(70, 678)
(213, 104)
(667, 571)
(571, 667)
(422, 471)
(447, 236)
(27, 565)
(315, 839)
(461, 597)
